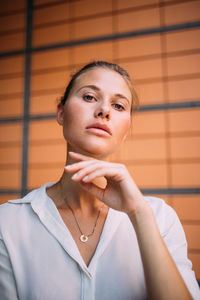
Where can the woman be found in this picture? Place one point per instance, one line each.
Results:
(82, 237)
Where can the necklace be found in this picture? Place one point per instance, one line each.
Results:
(84, 237)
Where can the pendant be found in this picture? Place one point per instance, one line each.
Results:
(83, 238)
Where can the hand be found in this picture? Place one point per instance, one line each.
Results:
(120, 193)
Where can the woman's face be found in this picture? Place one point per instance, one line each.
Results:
(97, 114)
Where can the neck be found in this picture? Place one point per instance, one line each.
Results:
(72, 194)
(67, 192)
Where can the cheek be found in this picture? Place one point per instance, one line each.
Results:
(123, 127)
(73, 112)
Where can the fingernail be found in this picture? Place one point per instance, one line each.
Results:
(74, 176)
(68, 167)
(85, 178)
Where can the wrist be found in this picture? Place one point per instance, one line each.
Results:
(140, 212)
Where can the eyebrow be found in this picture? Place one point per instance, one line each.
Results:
(97, 89)
(91, 86)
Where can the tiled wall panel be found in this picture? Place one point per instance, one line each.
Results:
(12, 41)
(134, 4)
(136, 47)
(185, 174)
(12, 5)
(10, 107)
(51, 14)
(183, 40)
(49, 80)
(13, 65)
(45, 130)
(10, 178)
(185, 147)
(184, 90)
(11, 85)
(183, 65)
(195, 258)
(146, 124)
(10, 155)
(92, 27)
(50, 59)
(149, 175)
(40, 175)
(10, 132)
(44, 103)
(150, 92)
(5, 198)
(125, 20)
(47, 153)
(147, 69)
(182, 12)
(144, 149)
(192, 231)
(51, 34)
(89, 7)
(184, 121)
(12, 22)
(187, 207)
(162, 148)
(89, 52)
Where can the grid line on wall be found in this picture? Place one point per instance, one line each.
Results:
(143, 108)
(103, 38)
(148, 191)
(26, 118)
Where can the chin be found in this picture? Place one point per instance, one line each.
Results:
(95, 149)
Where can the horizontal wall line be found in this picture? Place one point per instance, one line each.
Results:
(127, 59)
(166, 106)
(195, 251)
(10, 191)
(155, 191)
(191, 222)
(110, 37)
(10, 120)
(171, 191)
(69, 19)
(143, 108)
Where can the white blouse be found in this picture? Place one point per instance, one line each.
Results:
(39, 259)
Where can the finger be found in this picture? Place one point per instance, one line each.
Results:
(86, 170)
(96, 191)
(77, 166)
(79, 156)
(103, 172)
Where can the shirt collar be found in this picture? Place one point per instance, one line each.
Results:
(32, 196)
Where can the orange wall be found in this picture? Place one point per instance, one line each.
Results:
(162, 152)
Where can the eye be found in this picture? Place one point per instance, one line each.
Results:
(88, 98)
(118, 106)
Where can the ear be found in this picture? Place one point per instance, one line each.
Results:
(60, 114)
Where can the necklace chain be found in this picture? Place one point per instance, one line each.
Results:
(83, 237)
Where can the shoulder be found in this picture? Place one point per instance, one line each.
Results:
(160, 207)
(15, 211)
(165, 215)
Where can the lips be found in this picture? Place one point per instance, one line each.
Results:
(100, 126)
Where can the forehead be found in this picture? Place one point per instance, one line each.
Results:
(105, 79)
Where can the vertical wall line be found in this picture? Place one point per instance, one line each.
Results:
(115, 52)
(166, 97)
(27, 82)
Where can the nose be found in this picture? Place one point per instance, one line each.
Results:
(103, 111)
